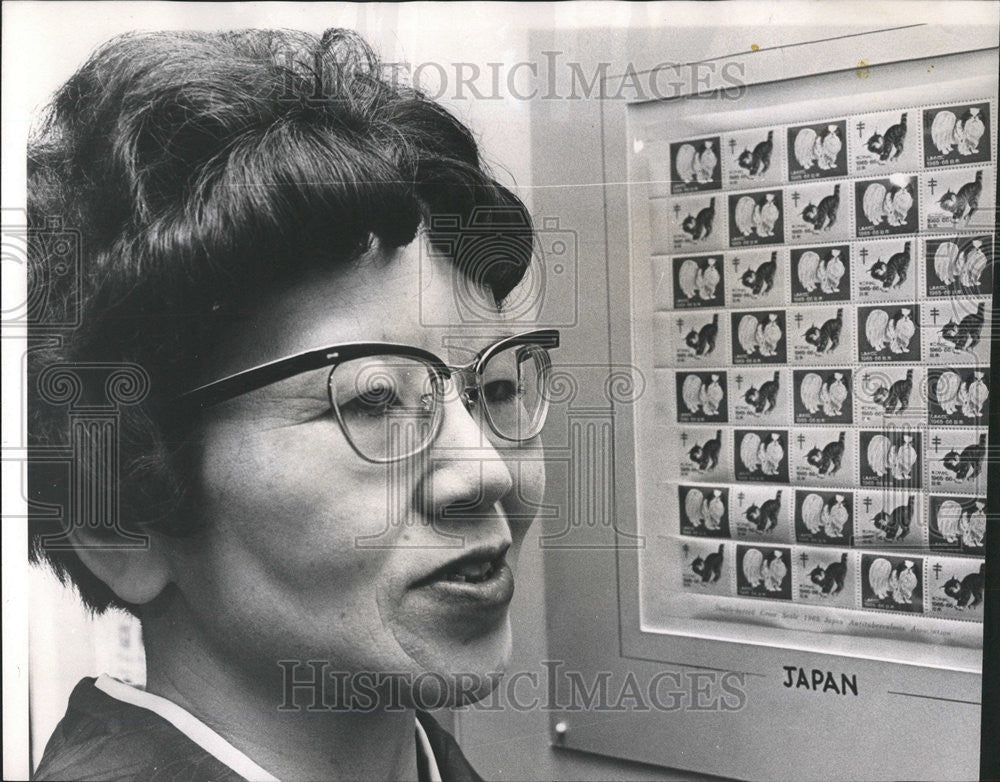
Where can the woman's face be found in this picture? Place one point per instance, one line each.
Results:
(313, 553)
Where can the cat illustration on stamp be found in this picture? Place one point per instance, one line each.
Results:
(758, 161)
(830, 579)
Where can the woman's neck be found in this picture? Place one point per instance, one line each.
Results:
(289, 734)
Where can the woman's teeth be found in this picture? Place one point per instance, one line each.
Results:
(472, 573)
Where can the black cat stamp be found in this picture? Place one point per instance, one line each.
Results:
(761, 455)
(699, 281)
(706, 566)
(824, 517)
(889, 518)
(760, 395)
(958, 396)
(957, 523)
(959, 266)
(825, 576)
(891, 394)
(757, 278)
(892, 457)
(701, 453)
(753, 157)
(889, 332)
(821, 273)
(821, 334)
(956, 460)
(824, 457)
(957, 331)
(764, 571)
(699, 338)
(818, 212)
(695, 224)
(760, 337)
(887, 270)
(695, 165)
(956, 587)
(892, 583)
(756, 218)
(817, 150)
(823, 396)
(885, 142)
(762, 513)
(957, 135)
(959, 199)
(702, 397)
(704, 511)
(886, 206)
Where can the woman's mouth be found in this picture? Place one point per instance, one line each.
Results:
(480, 578)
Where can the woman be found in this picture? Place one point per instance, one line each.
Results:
(320, 497)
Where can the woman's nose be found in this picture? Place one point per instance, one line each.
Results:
(466, 474)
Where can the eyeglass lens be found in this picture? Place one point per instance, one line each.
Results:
(390, 406)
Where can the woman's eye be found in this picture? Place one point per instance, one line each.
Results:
(372, 402)
(500, 391)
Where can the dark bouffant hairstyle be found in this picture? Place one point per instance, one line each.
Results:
(184, 174)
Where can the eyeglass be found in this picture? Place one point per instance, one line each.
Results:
(389, 399)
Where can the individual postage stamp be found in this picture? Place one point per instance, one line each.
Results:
(817, 150)
(818, 212)
(958, 396)
(957, 523)
(759, 337)
(887, 270)
(701, 453)
(706, 567)
(957, 135)
(704, 511)
(764, 571)
(761, 455)
(821, 274)
(698, 281)
(956, 460)
(887, 141)
(960, 199)
(821, 335)
(702, 397)
(695, 165)
(753, 157)
(757, 278)
(886, 206)
(694, 223)
(762, 513)
(957, 331)
(956, 587)
(760, 396)
(825, 576)
(892, 582)
(824, 517)
(756, 218)
(959, 265)
(823, 396)
(824, 457)
(699, 338)
(892, 457)
(890, 394)
(889, 332)
(887, 517)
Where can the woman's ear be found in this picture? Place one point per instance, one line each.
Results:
(135, 573)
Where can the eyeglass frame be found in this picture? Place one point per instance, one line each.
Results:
(254, 378)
